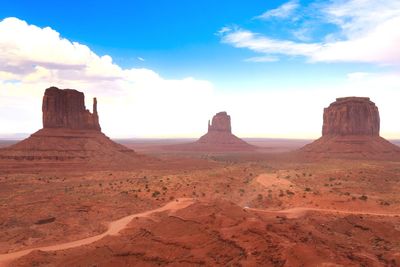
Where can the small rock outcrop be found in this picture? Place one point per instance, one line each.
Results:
(219, 138)
(70, 133)
(66, 109)
(351, 130)
(351, 116)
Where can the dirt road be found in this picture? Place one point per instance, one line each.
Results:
(113, 229)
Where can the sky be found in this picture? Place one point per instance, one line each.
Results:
(162, 69)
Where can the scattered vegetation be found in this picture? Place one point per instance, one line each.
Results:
(156, 194)
(363, 197)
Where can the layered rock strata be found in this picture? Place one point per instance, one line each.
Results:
(351, 129)
(70, 133)
(66, 109)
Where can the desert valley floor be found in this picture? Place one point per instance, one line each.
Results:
(263, 208)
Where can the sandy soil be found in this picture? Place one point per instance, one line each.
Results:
(249, 209)
(113, 229)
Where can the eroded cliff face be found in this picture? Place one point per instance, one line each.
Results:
(66, 109)
(70, 133)
(351, 116)
(351, 130)
(221, 122)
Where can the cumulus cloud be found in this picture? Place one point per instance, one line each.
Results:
(367, 32)
(132, 102)
(283, 11)
(140, 102)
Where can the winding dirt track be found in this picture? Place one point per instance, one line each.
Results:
(116, 226)
(113, 229)
(270, 179)
(301, 211)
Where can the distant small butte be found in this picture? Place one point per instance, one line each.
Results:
(219, 138)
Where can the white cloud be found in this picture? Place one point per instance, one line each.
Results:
(223, 30)
(357, 17)
(297, 112)
(140, 59)
(257, 42)
(140, 102)
(132, 102)
(368, 32)
(283, 11)
(262, 59)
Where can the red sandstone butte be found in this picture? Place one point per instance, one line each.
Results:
(70, 132)
(66, 109)
(351, 129)
(219, 138)
(351, 116)
(221, 122)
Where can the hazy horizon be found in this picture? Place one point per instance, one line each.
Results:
(273, 66)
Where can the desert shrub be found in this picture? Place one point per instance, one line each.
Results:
(363, 197)
(289, 192)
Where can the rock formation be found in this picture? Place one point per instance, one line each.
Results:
(351, 129)
(219, 137)
(70, 132)
(66, 109)
(351, 116)
(221, 122)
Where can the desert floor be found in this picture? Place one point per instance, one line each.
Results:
(264, 208)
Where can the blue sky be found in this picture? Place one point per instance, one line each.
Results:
(248, 57)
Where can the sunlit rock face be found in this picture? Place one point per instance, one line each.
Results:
(221, 122)
(70, 133)
(351, 130)
(351, 116)
(66, 109)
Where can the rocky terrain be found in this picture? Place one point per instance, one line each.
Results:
(258, 212)
(351, 130)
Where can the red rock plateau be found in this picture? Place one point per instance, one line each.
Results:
(70, 132)
(219, 138)
(351, 129)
